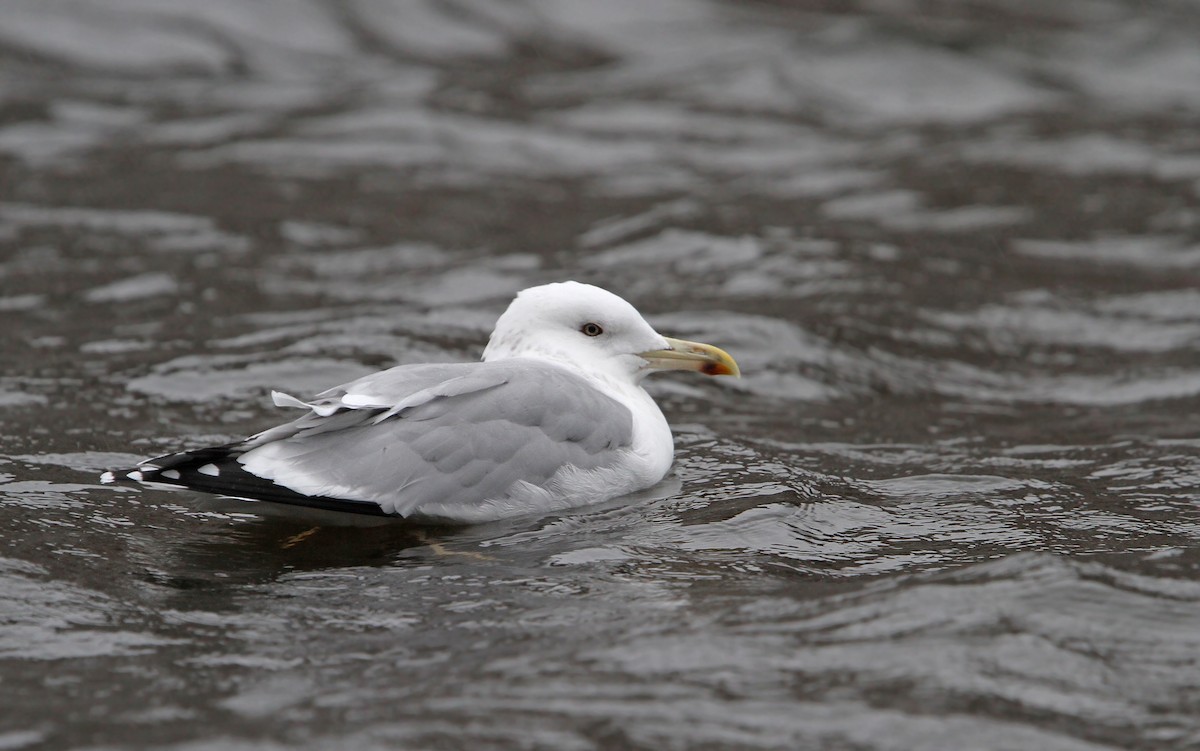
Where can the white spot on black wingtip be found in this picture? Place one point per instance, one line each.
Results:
(135, 476)
(210, 470)
(107, 478)
(170, 474)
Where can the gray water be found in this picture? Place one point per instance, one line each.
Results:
(954, 246)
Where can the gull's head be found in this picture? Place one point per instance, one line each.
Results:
(595, 331)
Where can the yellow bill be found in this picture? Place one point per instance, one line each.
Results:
(684, 355)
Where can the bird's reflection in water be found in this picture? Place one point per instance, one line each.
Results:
(224, 542)
(221, 544)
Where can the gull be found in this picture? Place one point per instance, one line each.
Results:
(554, 416)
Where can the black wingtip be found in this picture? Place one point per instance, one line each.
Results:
(216, 470)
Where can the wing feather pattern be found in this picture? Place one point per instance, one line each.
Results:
(414, 437)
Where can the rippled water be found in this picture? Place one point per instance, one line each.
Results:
(955, 248)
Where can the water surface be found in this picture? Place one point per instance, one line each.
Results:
(955, 248)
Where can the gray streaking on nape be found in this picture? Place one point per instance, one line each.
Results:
(555, 416)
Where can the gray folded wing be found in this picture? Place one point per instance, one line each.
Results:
(442, 435)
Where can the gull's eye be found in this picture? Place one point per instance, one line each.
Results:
(591, 329)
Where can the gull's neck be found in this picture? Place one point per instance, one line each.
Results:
(607, 372)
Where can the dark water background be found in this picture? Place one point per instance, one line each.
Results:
(954, 245)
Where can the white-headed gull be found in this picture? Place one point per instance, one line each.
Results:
(553, 417)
